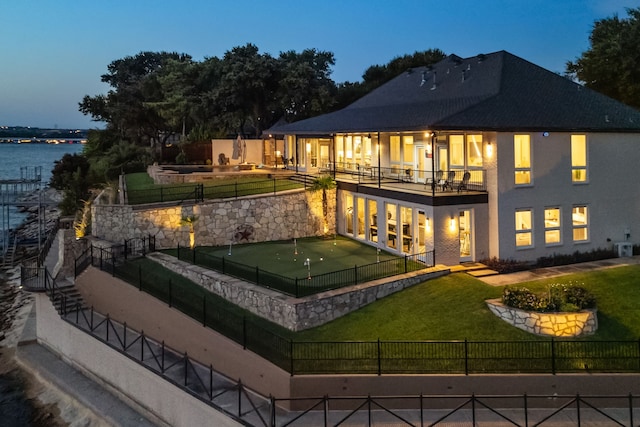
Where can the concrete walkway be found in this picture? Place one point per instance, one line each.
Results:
(559, 271)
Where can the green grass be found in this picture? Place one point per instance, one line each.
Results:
(141, 188)
(325, 255)
(437, 313)
(453, 308)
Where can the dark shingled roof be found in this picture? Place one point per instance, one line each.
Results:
(497, 91)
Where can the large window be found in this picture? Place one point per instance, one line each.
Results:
(394, 148)
(580, 219)
(407, 143)
(456, 146)
(373, 220)
(524, 228)
(474, 151)
(578, 158)
(552, 226)
(522, 159)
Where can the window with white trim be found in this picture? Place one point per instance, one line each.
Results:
(580, 219)
(524, 228)
(552, 234)
(578, 158)
(522, 159)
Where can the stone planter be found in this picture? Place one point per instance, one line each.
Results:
(574, 324)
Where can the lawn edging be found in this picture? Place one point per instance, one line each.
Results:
(295, 314)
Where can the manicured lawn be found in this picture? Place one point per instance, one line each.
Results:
(141, 189)
(452, 308)
(288, 257)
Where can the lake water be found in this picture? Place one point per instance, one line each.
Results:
(23, 160)
(15, 410)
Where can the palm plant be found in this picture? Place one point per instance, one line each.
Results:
(324, 183)
(190, 221)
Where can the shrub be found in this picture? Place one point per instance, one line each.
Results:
(559, 297)
(504, 266)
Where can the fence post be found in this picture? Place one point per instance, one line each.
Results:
(553, 356)
(193, 260)
(235, 189)
(405, 263)
(161, 195)
(204, 310)
(297, 291)
(222, 265)
(113, 263)
(291, 354)
(125, 249)
(379, 359)
(170, 296)
(244, 332)
(257, 275)
(275, 187)
(466, 357)
(355, 275)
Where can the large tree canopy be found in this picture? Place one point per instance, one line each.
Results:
(611, 65)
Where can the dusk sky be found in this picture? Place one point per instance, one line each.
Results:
(53, 52)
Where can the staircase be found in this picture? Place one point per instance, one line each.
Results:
(66, 298)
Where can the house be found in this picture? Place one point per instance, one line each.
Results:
(487, 156)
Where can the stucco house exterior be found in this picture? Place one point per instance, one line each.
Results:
(480, 157)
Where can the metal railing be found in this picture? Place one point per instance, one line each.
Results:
(200, 192)
(472, 410)
(381, 357)
(454, 180)
(203, 382)
(312, 284)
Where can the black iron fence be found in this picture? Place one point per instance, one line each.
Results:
(312, 284)
(550, 356)
(199, 192)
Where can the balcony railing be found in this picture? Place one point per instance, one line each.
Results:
(454, 180)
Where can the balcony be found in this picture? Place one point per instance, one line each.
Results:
(455, 186)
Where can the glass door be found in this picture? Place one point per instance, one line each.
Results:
(466, 234)
(422, 164)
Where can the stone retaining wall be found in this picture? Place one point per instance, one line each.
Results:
(281, 216)
(549, 324)
(293, 313)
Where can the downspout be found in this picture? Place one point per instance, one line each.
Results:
(379, 169)
(296, 142)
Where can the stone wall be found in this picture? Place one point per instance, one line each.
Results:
(293, 313)
(282, 216)
(549, 324)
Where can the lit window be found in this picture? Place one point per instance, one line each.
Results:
(552, 226)
(456, 144)
(394, 148)
(407, 142)
(578, 158)
(522, 159)
(580, 224)
(474, 151)
(524, 228)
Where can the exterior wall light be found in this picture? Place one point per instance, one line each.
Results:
(452, 224)
(489, 149)
(427, 225)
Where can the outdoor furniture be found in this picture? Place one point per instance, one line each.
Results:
(464, 182)
(222, 159)
(436, 180)
(448, 183)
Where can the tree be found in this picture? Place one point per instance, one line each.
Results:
(246, 93)
(324, 183)
(305, 88)
(128, 108)
(611, 65)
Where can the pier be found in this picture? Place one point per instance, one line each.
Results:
(25, 191)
